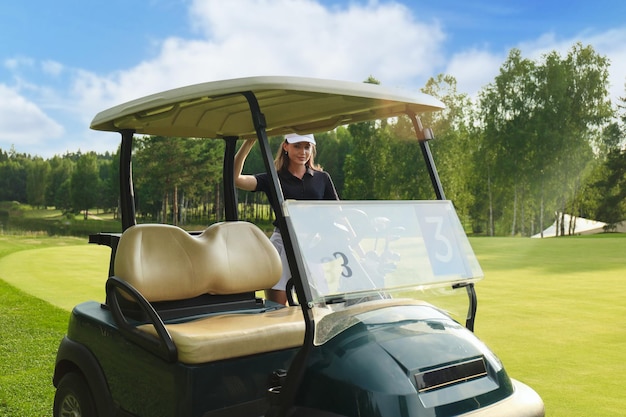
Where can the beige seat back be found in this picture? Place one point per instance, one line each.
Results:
(164, 262)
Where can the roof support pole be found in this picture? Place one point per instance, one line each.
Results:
(230, 192)
(423, 136)
(127, 192)
(286, 394)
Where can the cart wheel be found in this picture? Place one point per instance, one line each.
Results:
(73, 398)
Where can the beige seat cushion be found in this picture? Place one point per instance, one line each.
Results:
(164, 262)
(235, 335)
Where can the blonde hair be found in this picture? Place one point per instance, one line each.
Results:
(281, 161)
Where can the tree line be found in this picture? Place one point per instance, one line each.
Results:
(541, 140)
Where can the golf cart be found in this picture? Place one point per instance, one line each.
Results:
(183, 331)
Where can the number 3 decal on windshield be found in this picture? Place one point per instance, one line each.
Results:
(439, 226)
(346, 270)
(446, 254)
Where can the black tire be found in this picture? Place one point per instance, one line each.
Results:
(73, 398)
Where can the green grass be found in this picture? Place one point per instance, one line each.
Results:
(30, 332)
(63, 276)
(553, 310)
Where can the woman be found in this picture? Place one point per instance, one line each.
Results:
(300, 179)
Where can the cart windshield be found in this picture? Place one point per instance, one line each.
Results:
(363, 251)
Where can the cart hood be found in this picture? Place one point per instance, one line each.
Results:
(422, 338)
(413, 355)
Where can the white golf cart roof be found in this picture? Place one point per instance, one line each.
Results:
(290, 104)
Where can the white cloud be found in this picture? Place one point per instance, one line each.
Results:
(280, 37)
(22, 122)
(474, 69)
(52, 67)
(18, 62)
(613, 44)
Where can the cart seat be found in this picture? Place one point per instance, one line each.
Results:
(164, 263)
(233, 335)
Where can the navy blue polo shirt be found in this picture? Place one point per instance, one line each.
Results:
(314, 185)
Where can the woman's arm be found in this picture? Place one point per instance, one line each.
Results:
(245, 182)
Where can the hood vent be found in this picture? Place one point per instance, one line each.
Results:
(449, 375)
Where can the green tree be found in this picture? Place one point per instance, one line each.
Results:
(60, 173)
(159, 163)
(542, 122)
(108, 166)
(13, 176)
(173, 174)
(607, 188)
(201, 184)
(13, 180)
(367, 166)
(37, 173)
(507, 106)
(333, 147)
(85, 184)
(63, 197)
(576, 108)
(612, 189)
(454, 146)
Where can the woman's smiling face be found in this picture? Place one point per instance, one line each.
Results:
(299, 152)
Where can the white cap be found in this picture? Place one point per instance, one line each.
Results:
(295, 138)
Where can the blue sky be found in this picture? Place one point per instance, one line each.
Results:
(63, 61)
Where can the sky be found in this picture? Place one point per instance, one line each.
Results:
(62, 62)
